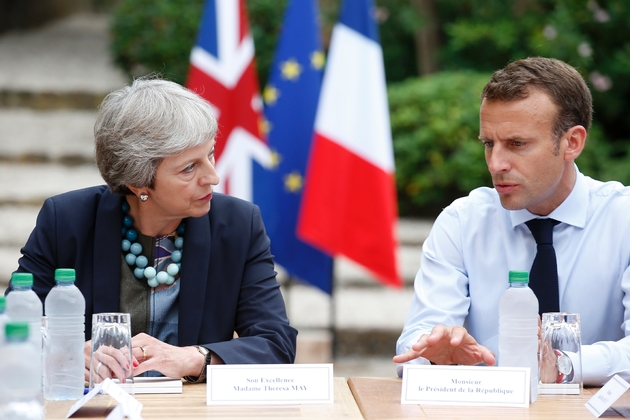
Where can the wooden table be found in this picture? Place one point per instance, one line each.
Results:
(379, 398)
(191, 404)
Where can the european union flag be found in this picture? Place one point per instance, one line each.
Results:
(290, 100)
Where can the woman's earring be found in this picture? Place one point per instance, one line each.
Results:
(144, 197)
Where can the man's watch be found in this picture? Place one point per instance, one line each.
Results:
(202, 375)
(563, 365)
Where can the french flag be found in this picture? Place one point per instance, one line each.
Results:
(223, 71)
(349, 202)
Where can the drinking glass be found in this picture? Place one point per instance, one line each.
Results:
(560, 359)
(111, 355)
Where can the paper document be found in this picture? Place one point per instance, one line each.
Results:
(159, 385)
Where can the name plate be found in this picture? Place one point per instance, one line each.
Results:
(270, 384)
(465, 385)
(607, 395)
(128, 407)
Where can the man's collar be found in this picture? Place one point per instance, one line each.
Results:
(571, 211)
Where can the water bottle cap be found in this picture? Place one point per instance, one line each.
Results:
(16, 331)
(65, 275)
(22, 279)
(3, 303)
(519, 277)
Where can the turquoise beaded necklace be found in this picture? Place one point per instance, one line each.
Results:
(138, 262)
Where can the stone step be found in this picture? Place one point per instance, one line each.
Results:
(64, 58)
(32, 183)
(358, 321)
(64, 136)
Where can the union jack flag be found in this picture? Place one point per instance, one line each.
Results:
(223, 71)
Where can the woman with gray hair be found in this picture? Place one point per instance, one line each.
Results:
(192, 267)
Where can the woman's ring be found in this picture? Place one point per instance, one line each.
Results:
(98, 367)
(144, 352)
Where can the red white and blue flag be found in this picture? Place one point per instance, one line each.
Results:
(223, 71)
(349, 202)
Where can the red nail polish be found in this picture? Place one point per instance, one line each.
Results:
(135, 363)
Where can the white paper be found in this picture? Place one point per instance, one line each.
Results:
(558, 389)
(130, 406)
(270, 384)
(607, 395)
(465, 385)
(154, 385)
(81, 402)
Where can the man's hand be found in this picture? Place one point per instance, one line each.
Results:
(548, 369)
(448, 346)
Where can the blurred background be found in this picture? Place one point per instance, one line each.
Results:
(59, 58)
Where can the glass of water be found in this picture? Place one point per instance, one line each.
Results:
(111, 355)
(560, 360)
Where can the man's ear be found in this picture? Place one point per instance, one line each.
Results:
(575, 139)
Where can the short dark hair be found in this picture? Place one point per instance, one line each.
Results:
(563, 83)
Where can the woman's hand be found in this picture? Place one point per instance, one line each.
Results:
(110, 362)
(172, 361)
(107, 362)
(87, 350)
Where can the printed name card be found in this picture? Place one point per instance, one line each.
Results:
(465, 385)
(128, 406)
(607, 395)
(270, 384)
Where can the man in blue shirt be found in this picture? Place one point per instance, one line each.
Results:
(534, 120)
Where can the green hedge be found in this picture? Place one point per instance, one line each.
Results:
(435, 126)
(155, 36)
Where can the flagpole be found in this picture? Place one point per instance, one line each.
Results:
(332, 324)
(288, 287)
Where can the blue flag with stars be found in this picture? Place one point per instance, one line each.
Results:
(290, 100)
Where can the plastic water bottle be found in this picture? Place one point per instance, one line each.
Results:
(4, 318)
(24, 305)
(20, 378)
(518, 327)
(64, 362)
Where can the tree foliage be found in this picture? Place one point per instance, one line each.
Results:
(435, 124)
(155, 36)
